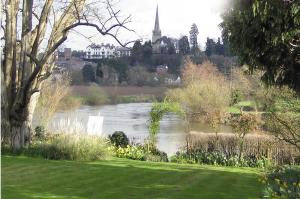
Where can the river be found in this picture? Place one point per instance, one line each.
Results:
(133, 120)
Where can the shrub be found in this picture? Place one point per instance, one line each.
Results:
(119, 139)
(258, 150)
(40, 133)
(130, 152)
(96, 96)
(218, 158)
(236, 96)
(139, 152)
(282, 182)
(70, 147)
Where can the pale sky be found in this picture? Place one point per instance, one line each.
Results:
(175, 17)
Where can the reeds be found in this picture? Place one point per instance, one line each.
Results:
(254, 145)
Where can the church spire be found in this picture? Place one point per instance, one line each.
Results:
(156, 26)
(156, 33)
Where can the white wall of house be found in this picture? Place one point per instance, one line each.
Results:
(102, 51)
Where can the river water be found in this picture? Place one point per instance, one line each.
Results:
(133, 120)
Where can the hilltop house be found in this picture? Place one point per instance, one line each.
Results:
(105, 51)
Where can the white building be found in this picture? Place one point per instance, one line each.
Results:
(105, 51)
(123, 52)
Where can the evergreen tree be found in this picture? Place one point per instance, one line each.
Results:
(219, 47)
(210, 47)
(147, 52)
(184, 45)
(137, 51)
(193, 36)
(270, 40)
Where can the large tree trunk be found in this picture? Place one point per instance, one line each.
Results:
(17, 130)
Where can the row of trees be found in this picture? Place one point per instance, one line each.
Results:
(217, 48)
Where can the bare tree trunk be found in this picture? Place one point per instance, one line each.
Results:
(22, 70)
(18, 129)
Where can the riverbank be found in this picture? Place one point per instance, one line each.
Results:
(121, 178)
(93, 95)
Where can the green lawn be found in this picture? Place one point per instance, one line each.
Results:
(24, 177)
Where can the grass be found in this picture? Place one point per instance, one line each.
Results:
(24, 177)
(237, 107)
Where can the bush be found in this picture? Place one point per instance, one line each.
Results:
(256, 147)
(236, 96)
(96, 96)
(119, 139)
(130, 152)
(70, 147)
(40, 133)
(139, 152)
(218, 158)
(282, 182)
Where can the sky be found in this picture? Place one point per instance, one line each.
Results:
(175, 18)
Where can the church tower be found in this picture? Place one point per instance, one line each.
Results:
(156, 35)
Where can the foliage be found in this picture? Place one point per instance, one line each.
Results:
(116, 65)
(282, 182)
(40, 133)
(236, 96)
(217, 48)
(76, 77)
(242, 124)
(285, 126)
(52, 93)
(69, 147)
(265, 35)
(283, 119)
(96, 96)
(210, 48)
(193, 36)
(119, 139)
(218, 158)
(224, 64)
(139, 76)
(137, 52)
(139, 152)
(130, 152)
(157, 112)
(184, 45)
(255, 147)
(88, 73)
(173, 61)
(205, 95)
(69, 102)
(168, 47)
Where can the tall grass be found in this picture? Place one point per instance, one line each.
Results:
(256, 146)
(70, 147)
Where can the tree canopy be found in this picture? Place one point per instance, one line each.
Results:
(265, 34)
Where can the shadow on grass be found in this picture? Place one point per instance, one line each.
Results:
(38, 178)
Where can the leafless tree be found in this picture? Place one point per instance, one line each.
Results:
(33, 30)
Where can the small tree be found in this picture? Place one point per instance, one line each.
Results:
(243, 124)
(205, 96)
